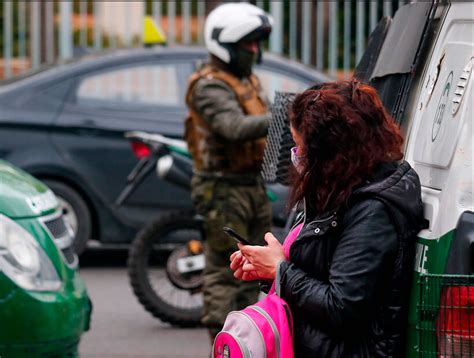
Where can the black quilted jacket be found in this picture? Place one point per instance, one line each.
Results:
(349, 274)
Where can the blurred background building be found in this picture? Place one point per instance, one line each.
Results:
(329, 35)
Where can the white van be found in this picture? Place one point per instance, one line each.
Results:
(421, 62)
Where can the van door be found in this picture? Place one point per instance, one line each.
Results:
(440, 143)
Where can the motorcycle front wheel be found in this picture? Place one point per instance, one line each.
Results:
(165, 266)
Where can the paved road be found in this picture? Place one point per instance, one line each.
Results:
(121, 328)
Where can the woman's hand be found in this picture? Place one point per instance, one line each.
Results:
(236, 264)
(258, 262)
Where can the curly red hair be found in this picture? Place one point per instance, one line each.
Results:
(346, 132)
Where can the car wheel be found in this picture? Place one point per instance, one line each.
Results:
(75, 211)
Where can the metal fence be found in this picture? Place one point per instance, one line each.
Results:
(329, 35)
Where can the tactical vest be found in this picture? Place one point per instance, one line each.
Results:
(214, 155)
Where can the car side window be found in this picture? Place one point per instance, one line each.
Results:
(139, 87)
(273, 81)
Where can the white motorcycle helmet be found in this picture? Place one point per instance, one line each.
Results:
(233, 22)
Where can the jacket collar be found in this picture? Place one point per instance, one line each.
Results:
(385, 175)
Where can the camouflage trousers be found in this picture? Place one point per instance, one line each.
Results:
(244, 208)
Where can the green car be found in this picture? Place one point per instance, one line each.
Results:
(44, 306)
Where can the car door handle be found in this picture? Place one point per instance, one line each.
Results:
(88, 131)
(88, 128)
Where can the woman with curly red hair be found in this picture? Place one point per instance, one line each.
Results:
(346, 277)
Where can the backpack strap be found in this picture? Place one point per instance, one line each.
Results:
(289, 240)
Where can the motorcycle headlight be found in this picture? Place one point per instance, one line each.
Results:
(23, 260)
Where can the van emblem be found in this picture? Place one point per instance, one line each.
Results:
(438, 118)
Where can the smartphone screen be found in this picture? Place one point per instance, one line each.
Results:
(236, 236)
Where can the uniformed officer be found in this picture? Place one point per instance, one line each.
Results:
(225, 130)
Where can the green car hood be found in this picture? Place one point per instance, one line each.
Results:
(21, 195)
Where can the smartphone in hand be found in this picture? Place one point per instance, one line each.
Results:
(236, 236)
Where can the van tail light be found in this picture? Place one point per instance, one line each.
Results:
(140, 150)
(455, 322)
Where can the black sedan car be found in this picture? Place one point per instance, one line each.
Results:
(65, 125)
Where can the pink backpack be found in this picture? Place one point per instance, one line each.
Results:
(264, 329)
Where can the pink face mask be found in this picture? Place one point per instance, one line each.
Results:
(296, 159)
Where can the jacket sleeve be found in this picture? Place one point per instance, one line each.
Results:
(366, 248)
(218, 106)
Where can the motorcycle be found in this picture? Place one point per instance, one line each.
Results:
(166, 260)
